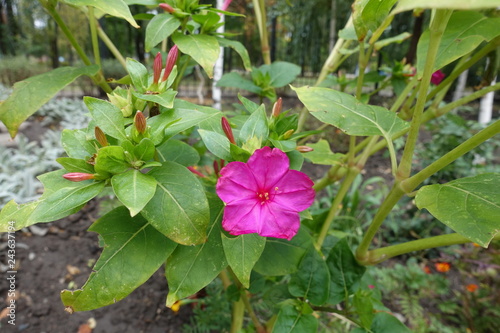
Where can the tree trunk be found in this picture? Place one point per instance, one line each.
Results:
(417, 32)
(54, 49)
(219, 68)
(462, 81)
(486, 106)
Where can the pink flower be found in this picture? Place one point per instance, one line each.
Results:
(437, 77)
(263, 195)
(226, 4)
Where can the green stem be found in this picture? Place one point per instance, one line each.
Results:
(93, 34)
(392, 198)
(336, 204)
(411, 183)
(260, 14)
(404, 95)
(437, 27)
(362, 63)
(384, 253)
(237, 316)
(104, 37)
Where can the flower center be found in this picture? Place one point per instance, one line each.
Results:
(263, 196)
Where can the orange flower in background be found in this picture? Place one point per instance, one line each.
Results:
(442, 267)
(472, 287)
(427, 270)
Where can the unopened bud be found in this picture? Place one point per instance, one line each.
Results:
(140, 122)
(166, 7)
(78, 176)
(304, 149)
(228, 130)
(216, 168)
(171, 60)
(157, 67)
(277, 108)
(196, 172)
(100, 136)
(288, 134)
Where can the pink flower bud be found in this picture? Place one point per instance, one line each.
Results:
(100, 136)
(277, 108)
(304, 149)
(166, 7)
(437, 77)
(216, 168)
(78, 176)
(140, 122)
(171, 60)
(157, 67)
(196, 172)
(228, 130)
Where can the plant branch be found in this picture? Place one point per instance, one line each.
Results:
(107, 41)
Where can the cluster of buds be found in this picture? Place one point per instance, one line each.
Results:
(173, 54)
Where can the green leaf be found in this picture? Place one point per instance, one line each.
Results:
(179, 208)
(281, 72)
(107, 116)
(178, 152)
(133, 251)
(281, 257)
(16, 216)
(145, 150)
(134, 189)
(375, 12)
(66, 200)
(248, 104)
(76, 145)
(116, 8)
(217, 144)
(464, 32)
(203, 49)
(235, 80)
(384, 322)
(470, 206)
(284, 145)
(165, 99)
(111, 159)
(360, 25)
(138, 74)
(345, 272)
(322, 154)
(242, 253)
(404, 5)
(347, 113)
(239, 48)
(312, 279)
(75, 165)
(256, 126)
(30, 94)
(364, 307)
(190, 268)
(160, 28)
(396, 39)
(294, 317)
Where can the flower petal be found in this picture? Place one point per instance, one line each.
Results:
(268, 166)
(294, 191)
(242, 217)
(278, 223)
(236, 183)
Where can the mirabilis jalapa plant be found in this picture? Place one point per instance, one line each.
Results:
(241, 222)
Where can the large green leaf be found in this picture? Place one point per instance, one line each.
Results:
(345, 272)
(203, 49)
(404, 5)
(464, 32)
(281, 257)
(160, 28)
(239, 48)
(76, 145)
(179, 209)
(191, 268)
(470, 206)
(322, 154)
(235, 80)
(30, 94)
(281, 72)
(359, 22)
(107, 116)
(111, 159)
(217, 144)
(375, 12)
(138, 74)
(384, 322)
(116, 8)
(295, 317)
(16, 216)
(75, 165)
(133, 251)
(134, 189)
(312, 279)
(165, 99)
(242, 253)
(211, 121)
(179, 152)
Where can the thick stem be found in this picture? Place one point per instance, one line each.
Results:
(93, 34)
(436, 32)
(260, 14)
(411, 183)
(384, 253)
